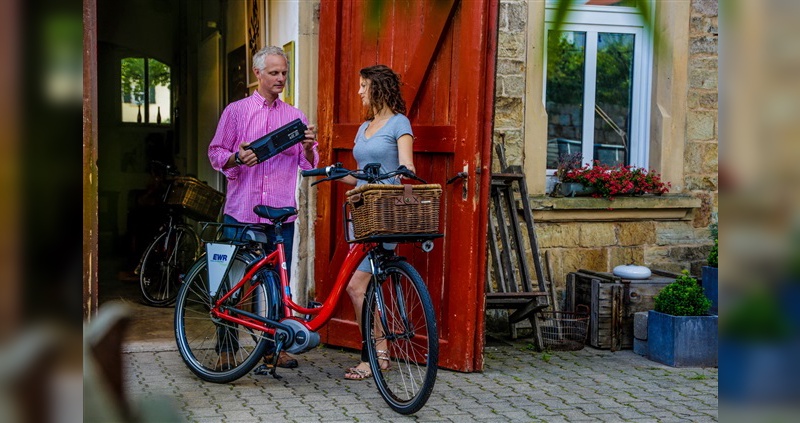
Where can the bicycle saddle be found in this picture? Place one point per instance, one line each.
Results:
(275, 214)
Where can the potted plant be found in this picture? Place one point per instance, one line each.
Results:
(710, 275)
(568, 163)
(680, 332)
(612, 181)
(759, 339)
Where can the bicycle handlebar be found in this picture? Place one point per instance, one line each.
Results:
(370, 173)
(172, 171)
(323, 171)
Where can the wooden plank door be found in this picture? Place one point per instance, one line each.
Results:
(444, 52)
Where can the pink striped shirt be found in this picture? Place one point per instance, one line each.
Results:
(272, 182)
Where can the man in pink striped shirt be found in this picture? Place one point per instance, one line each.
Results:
(274, 181)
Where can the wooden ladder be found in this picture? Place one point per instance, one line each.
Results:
(514, 288)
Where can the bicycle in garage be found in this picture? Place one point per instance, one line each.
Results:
(176, 246)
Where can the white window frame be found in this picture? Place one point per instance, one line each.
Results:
(610, 19)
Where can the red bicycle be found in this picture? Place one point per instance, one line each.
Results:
(236, 302)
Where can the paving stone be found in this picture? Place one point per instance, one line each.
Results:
(517, 385)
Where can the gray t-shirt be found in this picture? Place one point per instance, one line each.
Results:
(381, 147)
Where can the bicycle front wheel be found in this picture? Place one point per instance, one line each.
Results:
(400, 329)
(164, 262)
(217, 350)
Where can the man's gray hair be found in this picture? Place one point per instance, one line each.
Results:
(260, 57)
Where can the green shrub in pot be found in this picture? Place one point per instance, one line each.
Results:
(680, 331)
(684, 297)
(713, 255)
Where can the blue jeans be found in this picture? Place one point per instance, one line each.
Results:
(287, 231)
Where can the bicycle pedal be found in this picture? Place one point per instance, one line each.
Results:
(266, 370)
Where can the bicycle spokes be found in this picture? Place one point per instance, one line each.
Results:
(400, 328)
(214, 348)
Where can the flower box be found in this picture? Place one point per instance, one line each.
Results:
(613, 181)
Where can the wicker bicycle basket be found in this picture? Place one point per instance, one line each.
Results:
(394, 209)
(564, 330)
(197, 199)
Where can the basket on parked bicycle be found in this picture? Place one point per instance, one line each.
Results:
(197, 199)
(394, 209)
(564, 330)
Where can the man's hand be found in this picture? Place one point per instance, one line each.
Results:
(308, 143)
(310, 139)
(248, 157)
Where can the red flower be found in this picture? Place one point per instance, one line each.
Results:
(610, 181)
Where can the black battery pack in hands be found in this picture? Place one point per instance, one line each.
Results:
(278, 140)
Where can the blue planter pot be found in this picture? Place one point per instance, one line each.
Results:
(682, 341)
(762, 372)
(710, 286)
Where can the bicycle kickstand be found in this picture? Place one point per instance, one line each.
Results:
(262, 369)
(276, 357)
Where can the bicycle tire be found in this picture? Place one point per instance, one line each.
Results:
(164, 262)
(205, 342)
(412, 342)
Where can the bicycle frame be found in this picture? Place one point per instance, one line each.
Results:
(357, 253)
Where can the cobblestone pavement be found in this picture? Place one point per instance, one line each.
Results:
(518, 384)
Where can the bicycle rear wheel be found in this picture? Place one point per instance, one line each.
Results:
(404, 333)
(165, 260)
(217, 350)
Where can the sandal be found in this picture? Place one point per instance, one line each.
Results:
(354, 373)
(384, 356)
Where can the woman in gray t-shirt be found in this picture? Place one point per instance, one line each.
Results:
(384, 138)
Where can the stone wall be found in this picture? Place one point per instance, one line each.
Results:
(600, 246)
(510, 84)
(702, 119)
(666, 244)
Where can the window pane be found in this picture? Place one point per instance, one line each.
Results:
(612, 117)
(626, 3)
(566, 51)
(159, 100)
(132, 83)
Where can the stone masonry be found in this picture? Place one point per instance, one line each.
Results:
(702, 121)
(509, 128)
(670, 245)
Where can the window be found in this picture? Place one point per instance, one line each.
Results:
(597, 84)
(150, 105)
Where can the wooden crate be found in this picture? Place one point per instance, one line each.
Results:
(612, 302)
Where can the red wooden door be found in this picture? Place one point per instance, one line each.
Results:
(444, 52)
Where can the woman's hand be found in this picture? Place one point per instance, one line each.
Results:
(410, 167)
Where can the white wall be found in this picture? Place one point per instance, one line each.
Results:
(282, 27)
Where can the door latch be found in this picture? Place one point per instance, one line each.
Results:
(459, 175)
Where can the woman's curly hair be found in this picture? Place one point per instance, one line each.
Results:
(384, 90)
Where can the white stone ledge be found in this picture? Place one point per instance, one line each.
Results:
(667, 207)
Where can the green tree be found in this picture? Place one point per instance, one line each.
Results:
(564, 70)
(615, 63)
(132, 76)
